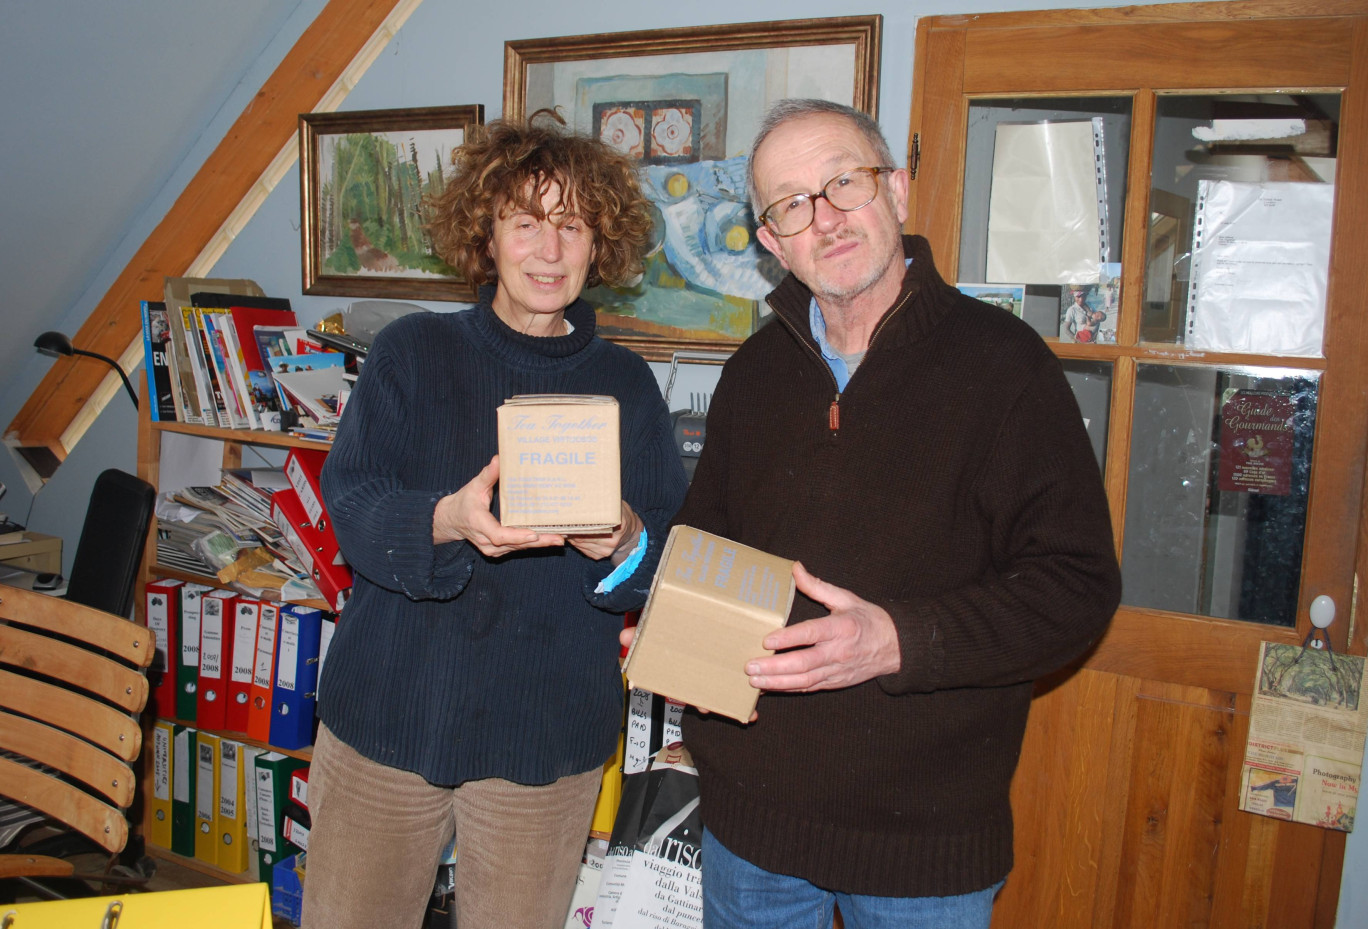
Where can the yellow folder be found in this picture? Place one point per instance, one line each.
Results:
(206, 797)
(610, 794)
(232, 808)
(232, 906)
(159, 833)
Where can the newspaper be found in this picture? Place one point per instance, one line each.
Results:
(652, 872)
(1306, 734)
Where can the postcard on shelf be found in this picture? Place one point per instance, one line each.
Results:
(559, 467)
(711, 605)
(1009, 297)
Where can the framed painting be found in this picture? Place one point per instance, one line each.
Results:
(686, 104)
(365, 178)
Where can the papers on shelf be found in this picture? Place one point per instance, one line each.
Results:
(1260, 262)
(315, 390)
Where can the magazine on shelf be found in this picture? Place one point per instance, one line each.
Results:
(157, 361)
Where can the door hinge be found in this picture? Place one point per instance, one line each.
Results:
(914, 156)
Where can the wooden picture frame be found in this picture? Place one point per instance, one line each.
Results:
(367, 240)
(687, 103)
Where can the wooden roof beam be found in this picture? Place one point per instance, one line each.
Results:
(314, 76)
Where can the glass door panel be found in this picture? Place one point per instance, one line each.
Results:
(1092, 388)
(1044, 196)
(1239, 222)
(1220, 467)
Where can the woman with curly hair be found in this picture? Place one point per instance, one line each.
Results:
(472, 688)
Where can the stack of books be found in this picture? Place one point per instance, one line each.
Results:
(222, 353)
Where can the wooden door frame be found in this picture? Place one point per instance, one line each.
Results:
(1335, 59)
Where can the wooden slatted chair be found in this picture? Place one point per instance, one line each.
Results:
(72, 681)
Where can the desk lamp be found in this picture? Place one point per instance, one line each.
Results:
(55, 344)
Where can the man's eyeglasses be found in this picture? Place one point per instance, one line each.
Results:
(848, 192)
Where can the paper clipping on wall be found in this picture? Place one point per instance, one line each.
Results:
(1304, 753)
(1046, 222)
(1260, 262)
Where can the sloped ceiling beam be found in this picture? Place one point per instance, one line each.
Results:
(309, 74)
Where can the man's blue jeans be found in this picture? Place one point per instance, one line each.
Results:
(738, 895)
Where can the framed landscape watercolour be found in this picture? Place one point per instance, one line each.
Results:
(686, 104)
(364, 178)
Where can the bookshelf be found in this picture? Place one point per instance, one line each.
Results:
(234, 441)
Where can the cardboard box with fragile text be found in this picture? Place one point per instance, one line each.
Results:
(559, 468)
(711, 605)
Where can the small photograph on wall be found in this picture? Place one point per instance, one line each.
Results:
(1009, 297)
(1088, 311)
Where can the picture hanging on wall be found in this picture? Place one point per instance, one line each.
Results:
(364, 179)
(686, 104)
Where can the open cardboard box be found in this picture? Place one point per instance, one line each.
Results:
(712, 603)
(559, 468)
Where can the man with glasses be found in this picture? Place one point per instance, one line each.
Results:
(922, 454)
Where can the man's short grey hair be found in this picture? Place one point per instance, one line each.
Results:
(797, 108)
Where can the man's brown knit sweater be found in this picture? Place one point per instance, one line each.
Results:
(960, 493)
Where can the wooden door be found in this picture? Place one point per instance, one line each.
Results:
(1127, 795)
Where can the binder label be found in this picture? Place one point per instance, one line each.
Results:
(265, 651)
(190, 616)
(211, 637)
(204, 783)
(161, 763)
(244, 642)
(180, 772)
(289, 652)
(291, 535)
(228, 781)
(265, 803)
(157, 621)
(313, 507)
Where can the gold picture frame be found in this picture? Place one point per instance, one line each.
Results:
(686, 103)
(364, 180)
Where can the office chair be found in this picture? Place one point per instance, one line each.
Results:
(104, 573)
(72, 681)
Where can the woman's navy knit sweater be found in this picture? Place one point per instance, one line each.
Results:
(445, 662)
